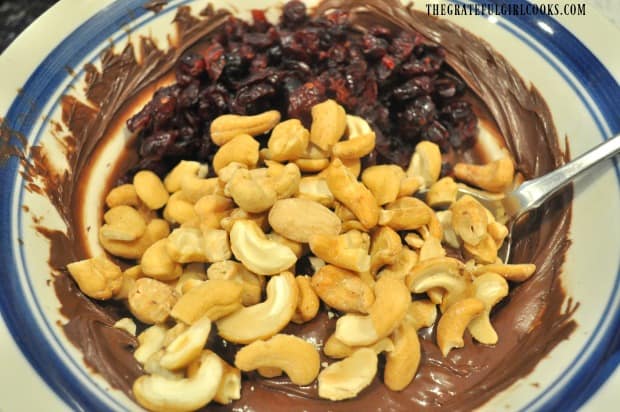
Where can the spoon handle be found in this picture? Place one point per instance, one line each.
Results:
(534, 192)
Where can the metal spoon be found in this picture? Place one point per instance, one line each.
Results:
(533, 193)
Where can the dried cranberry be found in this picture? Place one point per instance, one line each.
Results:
(301, 100)
(294, 13)
(156, 145)
(374, 47)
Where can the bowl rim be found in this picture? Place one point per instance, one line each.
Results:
(578, 59)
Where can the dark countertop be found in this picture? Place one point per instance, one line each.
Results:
(16, 15)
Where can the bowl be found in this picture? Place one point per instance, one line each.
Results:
(568, 60)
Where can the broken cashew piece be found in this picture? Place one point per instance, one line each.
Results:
(469, 220)
(495, 177)
(214, 298)
(250, 245)
(328, 124)
(150, 300)
(425, 163)
(187, 346)
(297, 358)
(338, 350)
(489, 288)
(98, 277)
(392, 300)
(149, 342)
(454, 321)
(352, 193)
(265, 319)
(123, 223)
(160, 394)
(338, 251)
(347, 378)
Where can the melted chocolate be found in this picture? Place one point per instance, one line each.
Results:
(530, 322)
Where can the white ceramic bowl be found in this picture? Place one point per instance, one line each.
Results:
(579, 85)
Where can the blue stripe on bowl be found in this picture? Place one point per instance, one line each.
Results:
(598, 82)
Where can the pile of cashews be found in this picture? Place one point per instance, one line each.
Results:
(223, 250)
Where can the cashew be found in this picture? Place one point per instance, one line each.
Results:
(192, 273)
(252, 285)
(149, 342)
(155, 230)
(308, 303)
(250, 245)
(353, 194)
(249, 194)
(496, 176)
(211, 209)
(425, 163)
(406, 213)
(184, 169)
(409, 185)
(265, 319)
(453, 322)
(186, 245)
(298, 219)
(126, 324)
(442, 193)
(353, 165)
(242, 149)
(385, 248)
(484, 252)
(187, 346)
(179, 210)
(299, 249)
(297, 358)
(150, 189)
(513, 272)
(498, 232)
(312, 165)
(285, 179)
(455, 286)
(421, 314)
(338, 251)
(355, 147)
(226, 127)
(328, 124)
(216, 245)
(432, 249)
(151, 300)
(123, 195)
(158, 393)
(193, 188)
(342, 290)
(384, 181)
(239, 214)
(288, 141)
(469, 220)
(489, 288)
(152, 366)
(414, 240)
(316, 189)
(403, 264)
(230, 385)
(338, 350)
(392, 300)
(123, 223)
(157, 263)
(214, 299)
(402, 363)
(98, 277)
(449, 235)
(345, 379)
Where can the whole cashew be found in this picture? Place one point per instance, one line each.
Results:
(454, 321)
(489, 288)
(297, 358)
(265, 319)
(158, 393)
(187, 346)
